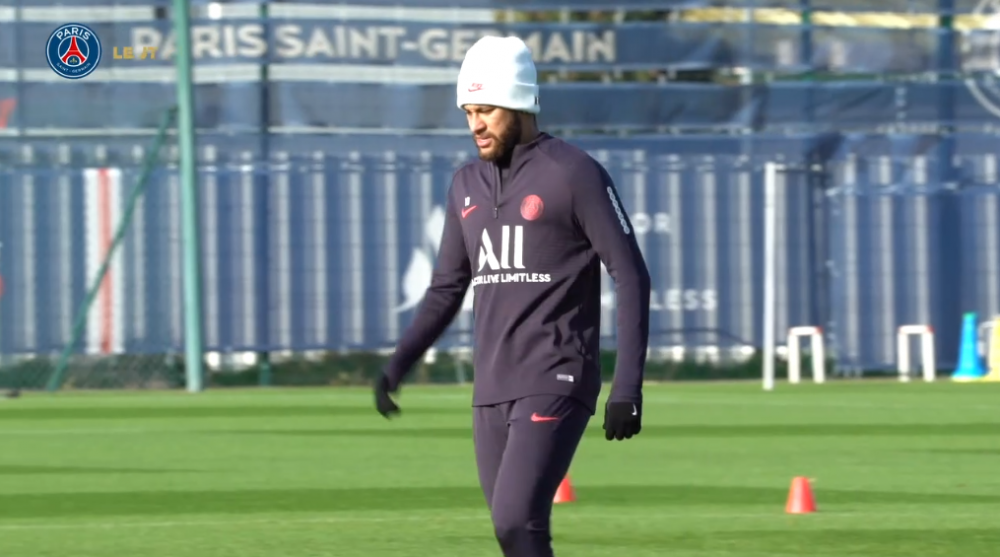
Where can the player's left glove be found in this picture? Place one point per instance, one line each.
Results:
(622, 420)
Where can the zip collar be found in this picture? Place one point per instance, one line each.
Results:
(521, 154)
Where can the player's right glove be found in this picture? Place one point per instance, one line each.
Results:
(622, 420)
(383, 402)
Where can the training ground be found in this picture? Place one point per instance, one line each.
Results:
(897, 470)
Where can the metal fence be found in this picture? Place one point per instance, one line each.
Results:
(331, 250)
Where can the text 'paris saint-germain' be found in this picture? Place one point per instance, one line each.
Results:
(413, 42)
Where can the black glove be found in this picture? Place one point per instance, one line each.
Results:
(622, 420)
(383, 402)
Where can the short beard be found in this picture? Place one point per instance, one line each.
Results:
(504, 144)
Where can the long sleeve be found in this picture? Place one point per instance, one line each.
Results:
(603, 219)
(442, 301)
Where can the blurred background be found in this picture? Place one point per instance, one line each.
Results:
(326, 134)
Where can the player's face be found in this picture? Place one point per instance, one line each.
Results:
(495, 130)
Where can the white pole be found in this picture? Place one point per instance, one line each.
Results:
(770, 272)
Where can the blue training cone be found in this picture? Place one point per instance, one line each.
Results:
(970, 367)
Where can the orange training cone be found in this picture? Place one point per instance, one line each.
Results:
(800, 497)
(565, 492)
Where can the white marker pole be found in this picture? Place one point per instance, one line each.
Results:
(770, 271)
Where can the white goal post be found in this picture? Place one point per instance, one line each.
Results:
(815, 334)
(925, 333)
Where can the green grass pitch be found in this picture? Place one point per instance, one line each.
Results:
(898, 470)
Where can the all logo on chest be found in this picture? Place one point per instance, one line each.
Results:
(501, 260)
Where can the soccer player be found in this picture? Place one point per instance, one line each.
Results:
(527, 226)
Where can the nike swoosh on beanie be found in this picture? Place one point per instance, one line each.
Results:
(499, 71)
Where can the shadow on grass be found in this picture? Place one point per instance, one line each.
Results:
(669, 431)
(883, 542)
(33, 470)
(240, 502)
(199, 412)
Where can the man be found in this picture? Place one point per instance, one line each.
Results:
(528, 226)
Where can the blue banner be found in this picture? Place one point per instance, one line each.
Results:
(577, 46)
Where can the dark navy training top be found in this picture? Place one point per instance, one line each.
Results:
(531, 243)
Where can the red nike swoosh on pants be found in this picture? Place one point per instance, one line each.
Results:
(466, 211)
(536, 418)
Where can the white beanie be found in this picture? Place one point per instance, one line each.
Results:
(499, 71)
